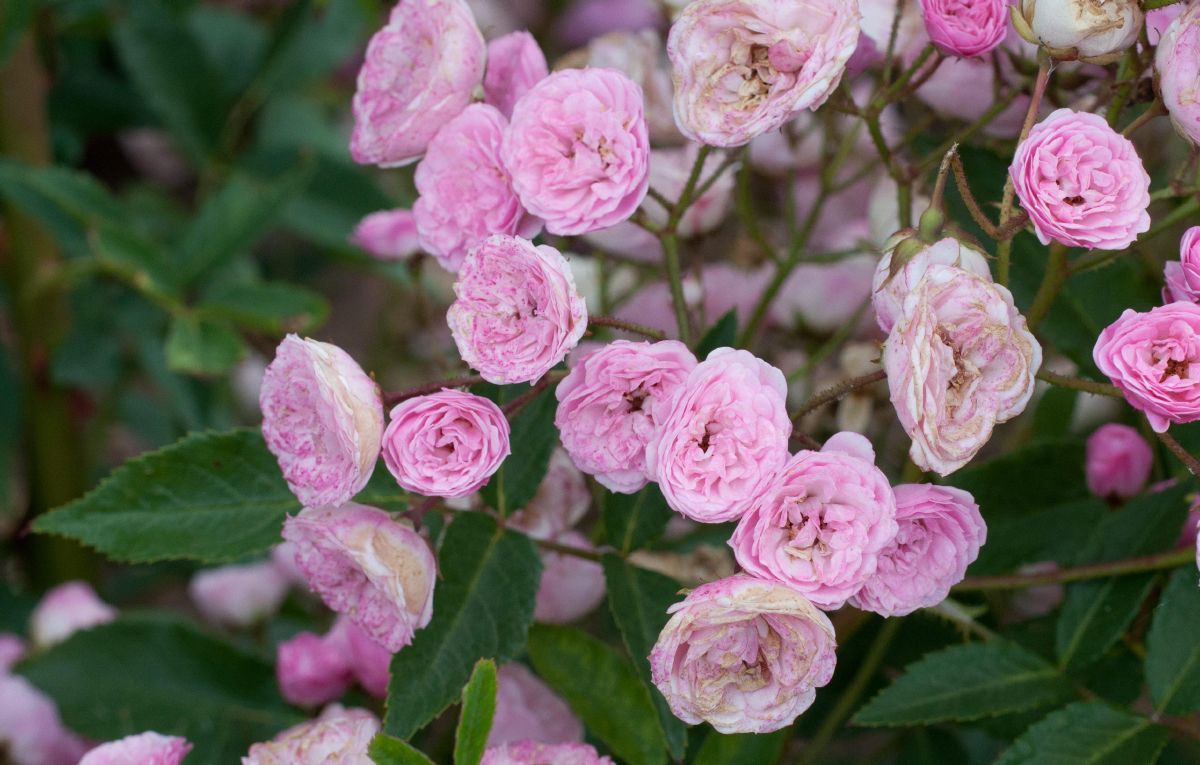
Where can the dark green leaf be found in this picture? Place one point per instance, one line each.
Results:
(386, 750)
(382, 491)
(478, 709)
(136, 260)
(268, 306)
(723, 334)
(1051, 474)
(200, 346)
(1017, 540)
(632, 520)
(65, 202)
(1173, 648)
(1088, 733)
(720, 749)
(233, 45)
(336, 199)
(533, 440)
(308, 44)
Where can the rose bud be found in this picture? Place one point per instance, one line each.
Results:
(322, 419)
(337, 736)
(561, 500)
(420, 71)
(368, 661)
(1118, 462)
(526, 709)
(940, 534)
(515, 64)
(65, 610)
(517, 311)
(744, 67)
(966, 28)
(1182, 276)
(311, 670)
(378, 572)
(903, 265)
(31, 730)
(239, 595)
(1177, 60)
(537, 753)
(744, 655)
(571, 587)
(148, 748)
(388, 235)
(1097, 31)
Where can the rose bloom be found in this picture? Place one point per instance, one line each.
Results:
(821, 523)
(378, 572)
(1177, 60)
(1088, 29)
(66, 609)
(744, 67)
(940, 534)
(465, 192)
(338, 737)
(561, 501)
(1118, 462)
(1082, 182)
(514, 64)
(966, 28)
(571, 587)
(311, 670)
(322, 419)
(1150, 357)
(420, 71)
(744, 655)
(611, 403)
(239, 595)
(888, 289)
(445, 444)
(31, 732)
(537, 753)
(148, 748)
(517, 312)
(578, 150)
(725, 435)
(526, 709)
(388, 235)
(959, 360)
(368, 661)
(1182, 276)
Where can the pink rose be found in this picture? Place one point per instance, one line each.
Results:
(537, 753)
(1182, 276)
(571, 587)
(560, 502)
(420, 71)
(611, 403)
(322, 419)
(517, 312)
(1177, 60)
(959, 360)
(340, 736)
(578, 150)
(965, 28)
(239, 595)
(725, 435)
(388, 235)
(1118, 462)
(148, 748)
(640, 55)
(744, 67)
(368, 661)
(12, 650)
(1159, 19)
(888, 290)
(744, 655)
(821, 523)
(720, 288)
(940, 534)
(311, 670)
(65, 610)
(514, 64)
(1149, 356)
(445, 444)
(526, 709)
(378, 572)
(31, 732)
(1082, 182)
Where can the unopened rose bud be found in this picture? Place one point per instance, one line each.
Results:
(239, 595)
(65, 610)
(1118, 462)
(1097, 31)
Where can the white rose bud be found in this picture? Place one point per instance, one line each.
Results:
(1097, 31)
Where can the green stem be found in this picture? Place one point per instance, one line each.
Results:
(1156, 562)
(1099, 258)
(835, 392)
(1004, 248)
(782, 272)
(670, 245)
(626, 326)
(1077, 383)
(1052, 282)
(1150, 5)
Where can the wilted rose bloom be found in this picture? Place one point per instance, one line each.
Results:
(669, 171)
(66, 609)
(571, 586)
(726, 434)
(821, 523)
(365, 565)
(527, 710)
(744, 67)
(640, 55)
(537, 753)
(465, 192)
(420, 71)
(12, 650)
(388, 235)
(148, 748)
(311, 670)
(239, 595)
(1082, 182)
(611, 403)
(322, 419)
(744, 655)
(1089, 29)
(517, 312)
(959, 360)
(1182, 276)
(1150, 356)
(560, 502)
(824, 297)
(1118, 462)
(338, 737)
(31, 732)
(1177, 60)
(514, 64)
(940, 534)
(445, 444)
(578, 150)
(888, 289)
(368, 661)
(965, 27)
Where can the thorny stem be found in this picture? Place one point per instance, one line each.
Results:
(670, 245)
(1155, 109)
(1079, 384)
(835, 392)
(1189, 462)
(1156, 562)
(626, 326)
(511, 408)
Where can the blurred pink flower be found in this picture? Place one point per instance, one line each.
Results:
(537, 753)
(239, 595)
(571, 586)
(515, 63)
(560, 502)
(311, 670)
(388, 235)
(526, 709)
(31, 732)
(1118, 462)
(65, 610)
(148, 748)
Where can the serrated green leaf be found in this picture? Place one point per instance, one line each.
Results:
(1017, 540)
(484, 606)
(632, 520)
(722, 749)
(533, 439)
(386, 750)
(723, 334)
(1172, 647)
(478, 709)
(1087, 733)
(268, 306)
(200, 346)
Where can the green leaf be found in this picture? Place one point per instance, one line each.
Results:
(720, 335)
(200, 346)
(336, 199)
(721, 749)
(14, 18)
(268, 306)
(1016, 540)
(307, 45)
(489, 578)
(136, 260)
(1087, 733)
(533, 440)
(632, 520)
(67, 203)
(966, 682)
(386, 750)
(211, 497)
(602, 688)
(1172, 648)
(478, 709)
(153, 672)
(639, 599)
(1051, 474)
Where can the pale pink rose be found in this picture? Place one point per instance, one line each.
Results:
(239, 595)
(537, 753)
(578, 150)
(148, 748)
(1118, 462)
(514, 64)
(965, 28)
(1150, 357)
(940, 534)
(420, 71)
(365, 565)
(1177, 60)
(65, 610)
(388, 234)
(824, 297)
(959, 360)
(888, 290)
(1182, 276)
(560, 502)
(322, 419)
(517, 311)
(1081, 182)
(1092, 31)
(744, 67)
(744, 655)
(526, 709)
(669, 172)
(611, 404)
(445, 444)
(587, 19)
(571, 586)
(338, 737)
(368, 661)
(1159, 19)
(726, 434)
(12, 650)
(311, 670)
(31, 732)
(821, 523)
(640, 55)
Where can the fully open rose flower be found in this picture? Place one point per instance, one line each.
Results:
(537, 753)
(1082, 182)
(376, 571)
(66, 609)
(1118, 462)
(1153, 358)
(420, 71)
(143, 749)
(744, 67)
(965, 27)
(892, 284)
(1093, 30)
(322, 419)
(744, 655)
(338, 737)
(725, 435)
(959, 360)
(940, 534)
(388, 234)
(1182, 276)
(1177, 60)
(578, 150)
(239, 595)
(821, 522)
(611, 403)
(465, 192)
(515, 63)
(527, 710)
(517, 312)
(445, 444)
